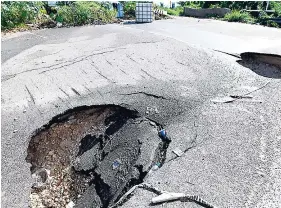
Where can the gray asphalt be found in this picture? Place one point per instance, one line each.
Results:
(218, 35)
(235, 159)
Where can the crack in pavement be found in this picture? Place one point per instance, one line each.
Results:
(146, 42)
(81, 59)
(31, 96)
(75, 91)
(230, 54)
(193, 145)
(147, 94)
(183, 198)
(131, 58)
(64, 92)
(96, 70)
(148, 74)
(67, 63)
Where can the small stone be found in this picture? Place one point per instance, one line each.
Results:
(116, 164)
(15, 131)
(48, 202)
(70, 204)
(152, 123)
(45, 193)
(53, 125)
(56, 199)
(41, 177)
(51, 153)
(15, 119)
(59, 24)
(178, 152)
(155, 167)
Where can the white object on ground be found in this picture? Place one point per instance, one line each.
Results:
(152, 123)
(59, 24)
(155, 167)
(167, 197)
(178, 152)
(116, 164)
(241, 96)
(70, 204)
(223, 100)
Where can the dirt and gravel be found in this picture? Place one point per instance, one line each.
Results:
(99, 146)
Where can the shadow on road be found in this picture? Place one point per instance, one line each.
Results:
(266, 65)
(129, 22)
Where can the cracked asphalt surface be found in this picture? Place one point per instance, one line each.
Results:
(233, 157)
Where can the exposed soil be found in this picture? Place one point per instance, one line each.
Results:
(90, 156)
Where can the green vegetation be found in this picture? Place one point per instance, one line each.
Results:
(238, 13)
(80, 13)
(20, 14)
(233, 5)
(15, 14)
(238, 16)
(129, 8)
(263, 20)
(178, 11)
(276, 6)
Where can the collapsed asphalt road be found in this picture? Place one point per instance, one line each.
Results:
(231, 149)
(96, 153)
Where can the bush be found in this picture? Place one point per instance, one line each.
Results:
(64, 15)
(193, 5)
(212, 6)
(17, 14)
(80, 13)
(276, 6)
(237, 16)
(178, 11)
(263, 20)
(129, 8)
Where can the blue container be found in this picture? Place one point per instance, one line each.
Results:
(120, 11)
(162, 134)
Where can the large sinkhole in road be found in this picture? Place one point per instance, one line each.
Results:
(91, 156)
